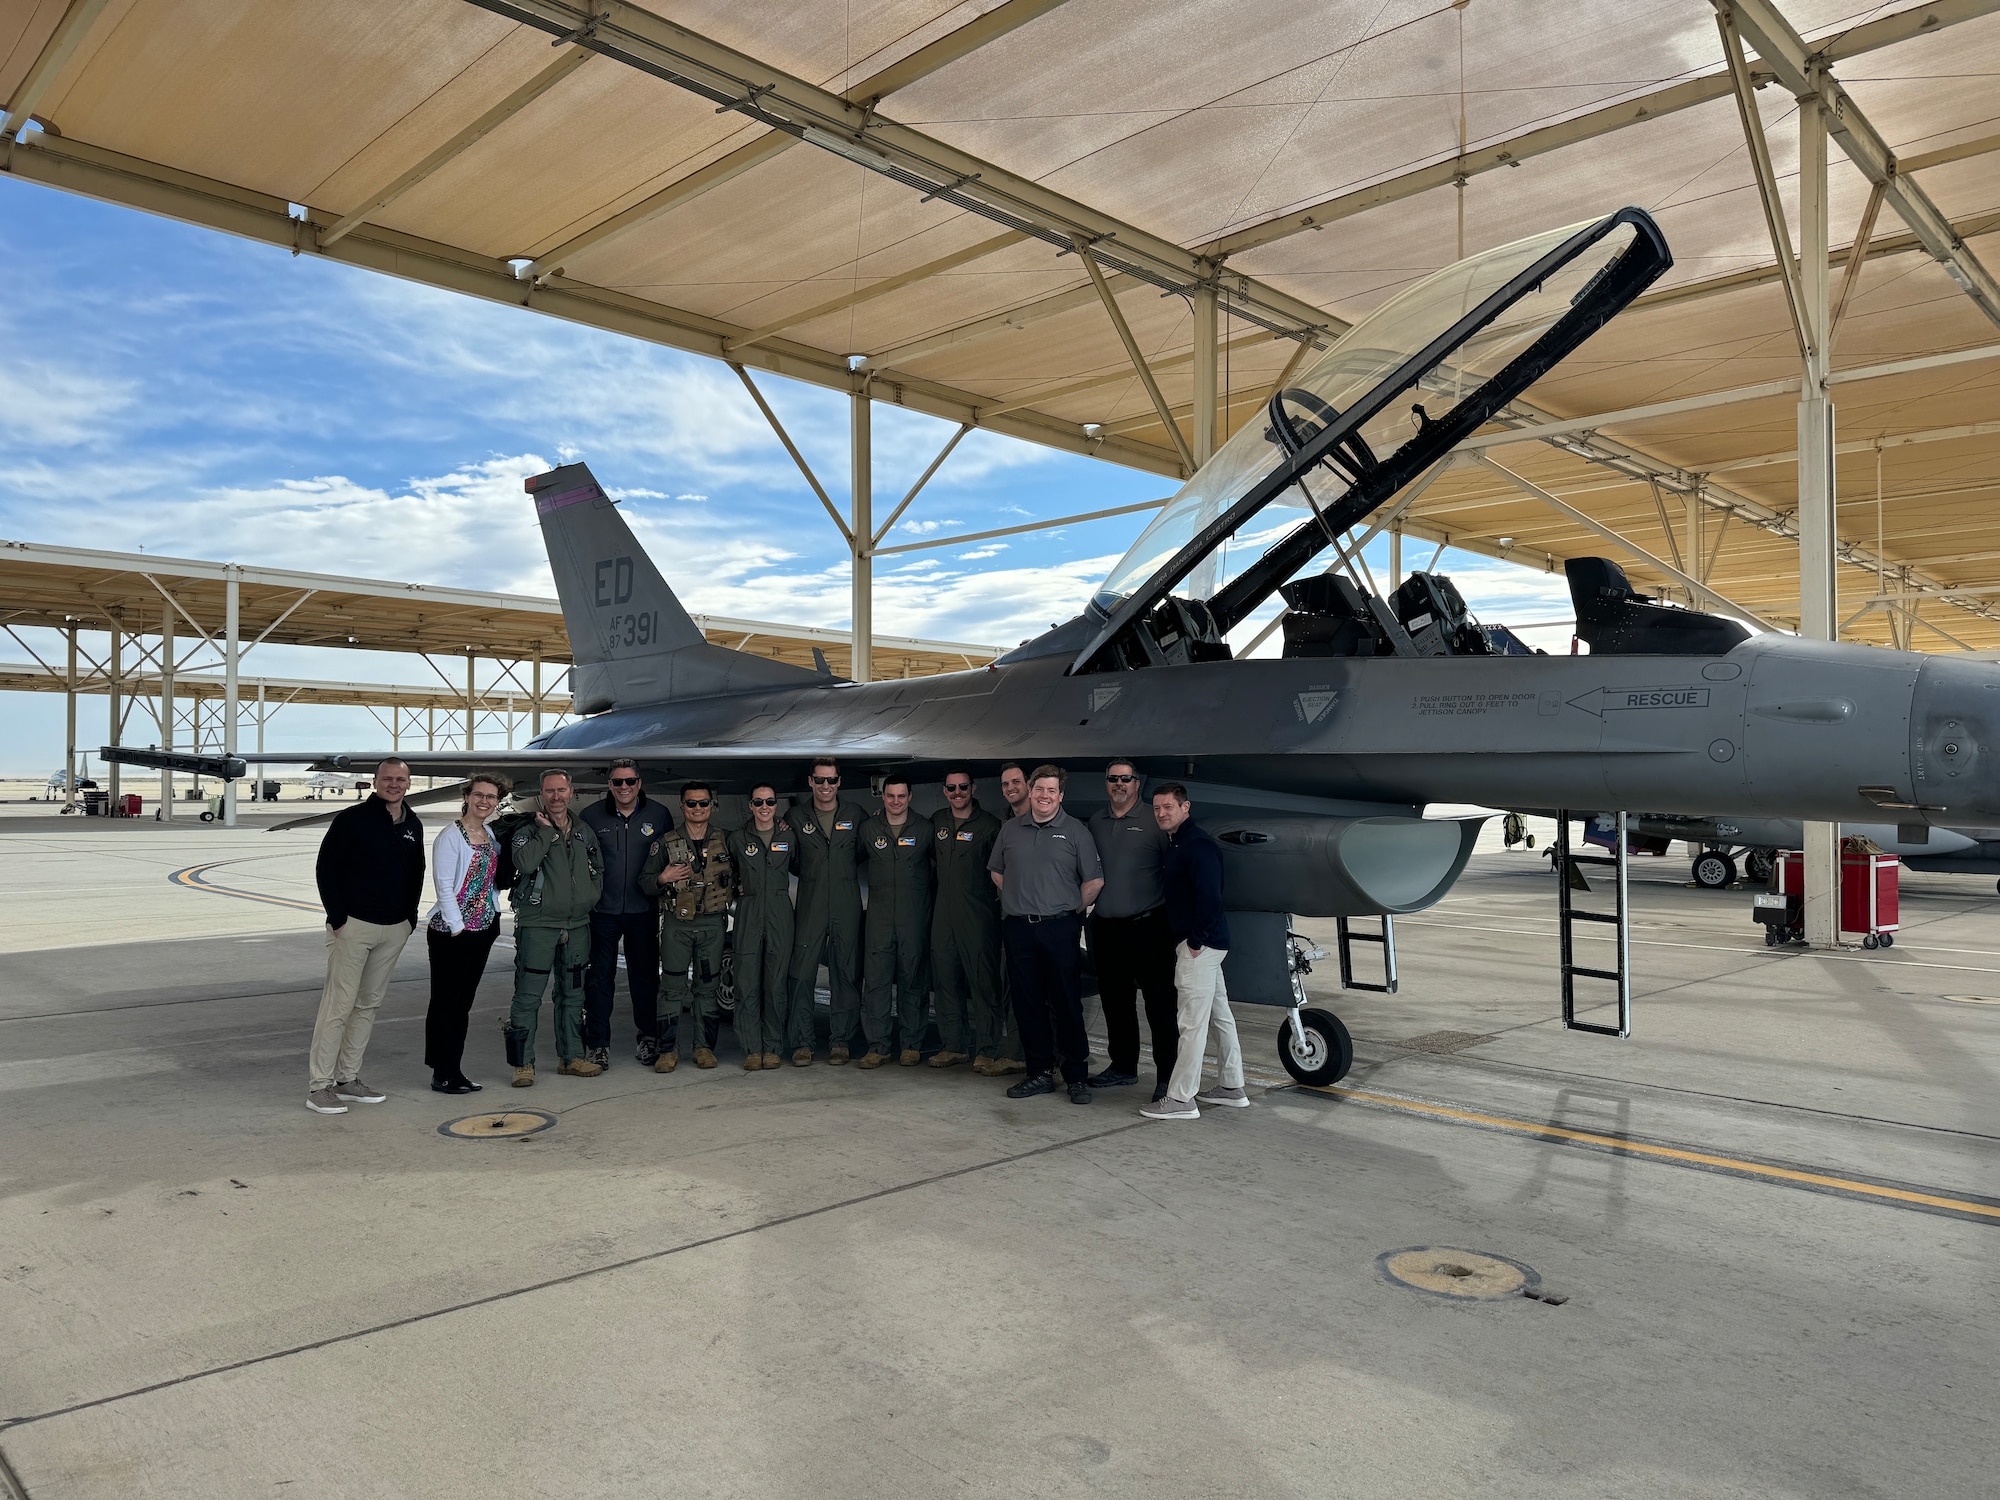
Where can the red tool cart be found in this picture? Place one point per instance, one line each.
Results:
(1869, 901)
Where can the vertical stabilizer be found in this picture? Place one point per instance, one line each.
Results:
(631, 640)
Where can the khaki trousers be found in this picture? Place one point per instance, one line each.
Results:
(360, 958)
(1202, 1004)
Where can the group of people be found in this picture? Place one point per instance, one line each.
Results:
(971, 930)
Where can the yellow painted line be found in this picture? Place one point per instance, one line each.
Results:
(192, 879)
(1668, 1153)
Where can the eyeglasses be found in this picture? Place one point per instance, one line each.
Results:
(624, 781)
(694, 802)
(1119, 780)
(958, 786)
(826, 781)
(763, 801)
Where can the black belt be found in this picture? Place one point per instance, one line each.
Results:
(1061, 916)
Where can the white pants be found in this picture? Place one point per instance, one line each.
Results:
(1201, 1002)
(360, 961)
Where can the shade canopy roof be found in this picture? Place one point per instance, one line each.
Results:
(899, 197)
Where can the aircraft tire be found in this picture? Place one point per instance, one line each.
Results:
(1759, 864)
(1714, 870)
(1328, 1051)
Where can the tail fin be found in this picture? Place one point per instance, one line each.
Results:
(629, 637)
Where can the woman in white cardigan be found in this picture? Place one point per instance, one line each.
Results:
(461, 928)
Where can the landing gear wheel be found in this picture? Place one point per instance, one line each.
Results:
(1714, 871)
(1326, 1053)
(1758, 865)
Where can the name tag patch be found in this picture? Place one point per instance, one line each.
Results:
(965, 838)
(906, 843)
(842, 827)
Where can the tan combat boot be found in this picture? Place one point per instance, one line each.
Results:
(524, 1078)
(873, 1060)
(580, 1067)
(1005, 1065)
(948, 1059)
(982, 1064)
(666, 1062)
(836, 1057)
(754, 1063)
(910, 1058)
(803, 1058)
(703, 1058)
(772, 1060)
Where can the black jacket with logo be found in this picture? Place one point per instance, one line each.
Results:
(371, 866)
(625, 842)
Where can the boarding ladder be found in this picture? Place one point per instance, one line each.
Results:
(1346, 937)
(1565, 863)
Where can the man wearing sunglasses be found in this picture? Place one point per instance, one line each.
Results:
(694, 870)
(973, 1020)
(828, 921)
(627, 824)
(764, 853)
(1130, 941)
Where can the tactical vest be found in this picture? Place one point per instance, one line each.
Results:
(709, 890)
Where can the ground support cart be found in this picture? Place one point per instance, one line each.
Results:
(1869, 893)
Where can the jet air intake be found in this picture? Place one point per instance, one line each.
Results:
(1342, 867)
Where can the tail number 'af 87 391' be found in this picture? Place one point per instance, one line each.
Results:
(640, 629)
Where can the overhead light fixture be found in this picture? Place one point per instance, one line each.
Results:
(1505, 541)
(853, 150)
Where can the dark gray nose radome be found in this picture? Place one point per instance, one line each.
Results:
(1343, 867)
(1955, 742)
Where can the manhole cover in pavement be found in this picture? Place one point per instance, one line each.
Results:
(497, 1125)
(1442, 1041)
(1467, 1275)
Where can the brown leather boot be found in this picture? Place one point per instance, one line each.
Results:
(910, 1058)
(836, 1057)
(803, 1058)
(579, 1067)
(703, 1058)
(772, 1060)
(754, 1063)
(524, 1078)
(873, 1060)
(666, 1062)
(982, 1065)
(1005, 1065)
(948, 1059)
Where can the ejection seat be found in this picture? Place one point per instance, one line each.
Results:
(1614, 619)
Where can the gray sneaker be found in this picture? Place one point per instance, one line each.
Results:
(1171, 1108)
(357, 1092)
(601, 1056)
(325, 1102)
(1228, 1098)
(648, 1053)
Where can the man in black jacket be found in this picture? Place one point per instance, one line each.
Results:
(371, 873)
(627, 824)
(1193, 880)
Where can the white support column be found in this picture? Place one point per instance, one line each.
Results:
(1204, 374)
(471, 699)
(167, 707)
(535, 701)
(69, 696)
(861, 528)
(257, 788)
(395, 727)
(1818, 605)
(1395, 557)
(510, 721)
(232, 651)
(115, 665)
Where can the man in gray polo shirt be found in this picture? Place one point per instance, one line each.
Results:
(1130, 941)
(1047, 869)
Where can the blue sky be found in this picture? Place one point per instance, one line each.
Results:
(174, 389)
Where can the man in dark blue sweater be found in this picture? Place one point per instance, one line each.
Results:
(1193, 879)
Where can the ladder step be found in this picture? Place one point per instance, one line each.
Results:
(1593, 916)
(1583, 973)
(1593, 859)
(1365, 937)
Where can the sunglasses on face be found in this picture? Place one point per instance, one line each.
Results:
(958, 786)
(826, 781)
(763, 801)
(624, 781)
(696, 802)
(1120, 780)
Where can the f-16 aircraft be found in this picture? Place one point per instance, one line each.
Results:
(1313, 768)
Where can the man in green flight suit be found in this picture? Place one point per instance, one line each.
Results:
(559, 874)
(828, 920)
(697, 879)
(974, 1020)
(897, 846)
(762, 854)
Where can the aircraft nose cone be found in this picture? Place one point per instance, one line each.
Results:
(1955, 739)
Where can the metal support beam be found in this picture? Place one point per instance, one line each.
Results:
(922, 480)
(115, 671)
(1857, 257)
(571, 59)
(880, 288)
(230, 643)
(1761, 168)
(861, 651)
(166, 707)
(1807, 74)
(792, 448)
(1085, 250)
(56, 52)
(471, 699)
(69, 721)
(987, 536)
(535, 701)
(1205, 373)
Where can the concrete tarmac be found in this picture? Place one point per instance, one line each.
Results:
(1772, 1217)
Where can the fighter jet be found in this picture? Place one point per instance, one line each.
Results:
(1313, 768)
(1723, 845)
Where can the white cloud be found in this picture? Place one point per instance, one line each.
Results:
(979, 554)
(63, 408)
(925, 528)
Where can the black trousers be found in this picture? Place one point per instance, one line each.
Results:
(640, 932)
(1134, 956)
(1045, 973)
(458, 960)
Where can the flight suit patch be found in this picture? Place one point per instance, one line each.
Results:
(781, 848)
(945, 833)
(881, 843)
(904, 843)
(842, 827)
(963, 838)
